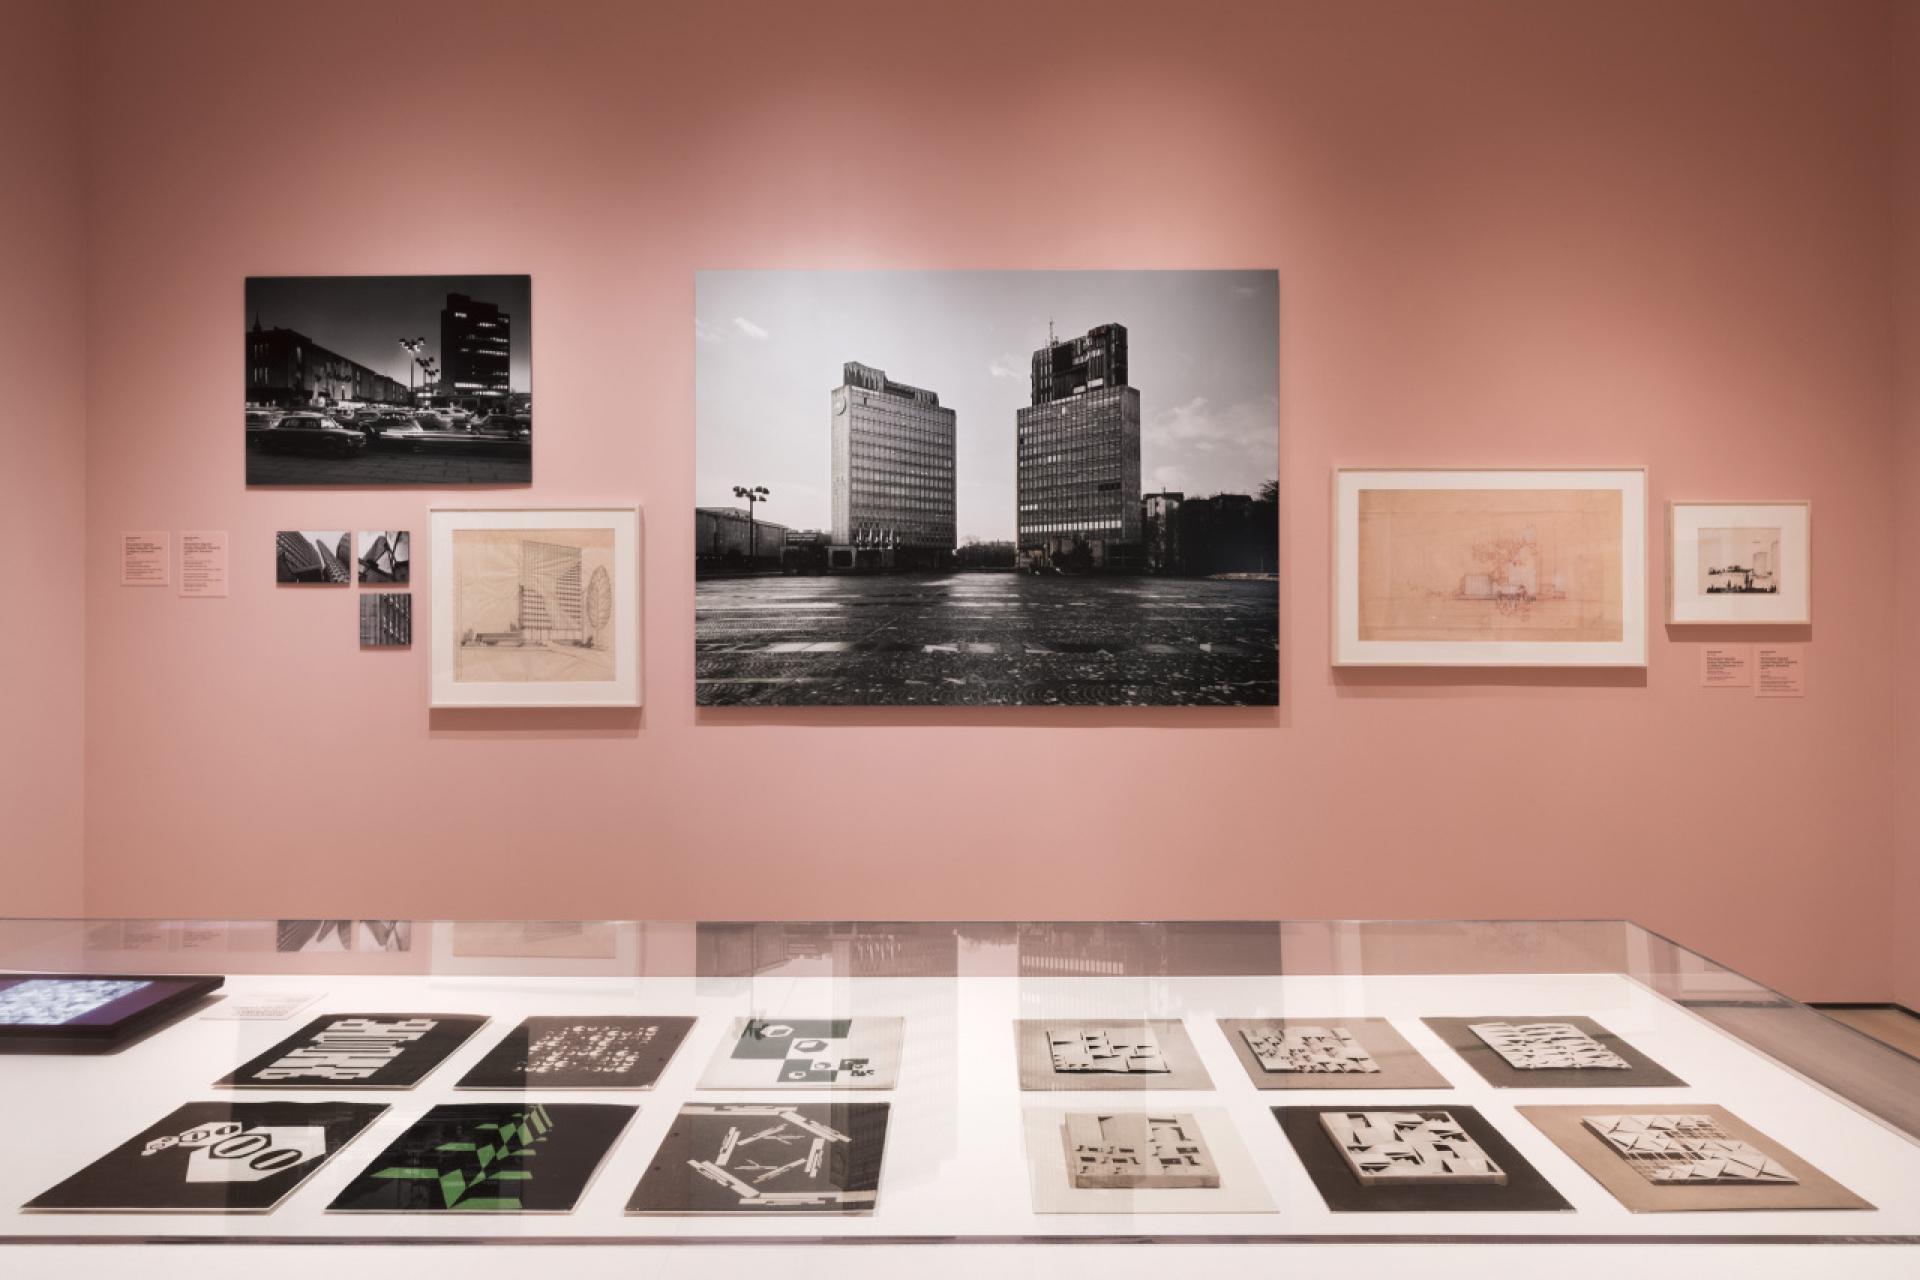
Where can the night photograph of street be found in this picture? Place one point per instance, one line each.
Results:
(987, 488)
(402, 380)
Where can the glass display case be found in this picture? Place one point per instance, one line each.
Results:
(1512, 1083)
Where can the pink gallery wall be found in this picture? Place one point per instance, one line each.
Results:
(1907, 901)
(43, 460)
(1517, 233)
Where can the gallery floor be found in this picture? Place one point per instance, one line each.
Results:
(962, 1163)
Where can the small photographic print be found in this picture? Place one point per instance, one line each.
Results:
(386, 557)
(386, 620)
(313, 557)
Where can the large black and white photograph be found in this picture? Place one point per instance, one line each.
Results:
(987, 488)
(372, 380)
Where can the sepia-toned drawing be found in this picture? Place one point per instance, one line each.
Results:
(533, 605)
(1491, 565)
(1739, 561)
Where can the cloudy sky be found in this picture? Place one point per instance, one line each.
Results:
(1203, 351)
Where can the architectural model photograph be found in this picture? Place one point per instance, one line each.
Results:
(1740, 563)
(1550, 1053)
(1136, 1160)
(1303, 1053)
(214, 1157)
(386, 557)
(389, 380)
(536, 608)
(767, 1159)
(1692, 1159)
(987, 488)
(1414, 1159)
(386, 620)
(313, 557)
(808, 1053)
(1490, 568)
(580, 1053)
(1121, 1055)
(489, 1157)
(358, 1051)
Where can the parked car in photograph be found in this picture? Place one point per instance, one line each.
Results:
(504, 424)
(384, 422)
(308, 433)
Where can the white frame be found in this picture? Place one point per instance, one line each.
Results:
(1689, 607)
(1348, 650)
(622, 691)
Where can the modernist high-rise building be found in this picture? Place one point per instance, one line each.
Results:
(289, 369)
(893, 468)
(553, 603)
(1079, 446)
(476, 347)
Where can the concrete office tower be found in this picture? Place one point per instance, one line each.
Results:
(476, 347)
(1079, 474)
(893, 468)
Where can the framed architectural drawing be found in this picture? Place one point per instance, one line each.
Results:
(536, 608)
(1140, 1160)
(1497, 568)
(1740, 563)
(1690, 1158)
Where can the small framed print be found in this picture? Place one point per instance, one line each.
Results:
(536, 607)
(1492, 568)
(1740, 563)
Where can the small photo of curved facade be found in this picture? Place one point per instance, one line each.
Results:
(986, 488)
(386, 557)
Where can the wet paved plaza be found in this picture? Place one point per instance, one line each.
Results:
(986, 639)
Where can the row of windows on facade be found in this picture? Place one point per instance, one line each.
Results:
(913, 443)
(903, 457)
(1068, 480)
(932, 476)
(1073, 526)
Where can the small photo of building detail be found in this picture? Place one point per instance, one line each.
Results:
(987, 488)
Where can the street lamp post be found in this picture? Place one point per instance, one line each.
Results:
(413, 346)
(757, 494)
